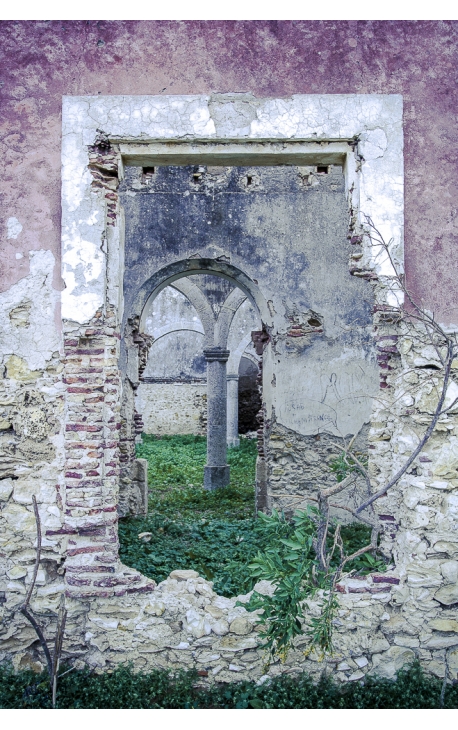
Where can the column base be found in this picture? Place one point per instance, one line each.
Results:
(233, 443)
(216, 477)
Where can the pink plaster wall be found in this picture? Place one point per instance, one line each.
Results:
(42, 60)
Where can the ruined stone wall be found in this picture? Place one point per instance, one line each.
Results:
(298, 467)
(384, 620)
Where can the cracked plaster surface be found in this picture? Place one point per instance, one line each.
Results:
(27, 314)
(375, 119)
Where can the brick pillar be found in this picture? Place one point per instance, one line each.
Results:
(92, 382)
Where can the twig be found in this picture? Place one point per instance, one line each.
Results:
(41, 637)
(356, 554)
(24, 607)
(37, 555)
(423, 441)
(52, 662)
(61, 619)
(339, 487)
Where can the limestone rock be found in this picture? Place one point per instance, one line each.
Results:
(214, 611)
(382, 668)
(355, 676)
(436, 668)
(17, 369)
(19, 518)
(235, 668)
(197, 624)
(408, 641)
(444, 624)
(183, 574)
(17, 572)
(397, 624)
(241, 626)
(264, 587)
(449, 570)
(447, 595)
(159, 633)
(234, 643)
(155, 609)
(343, 666)
(425, 574)
(220, 627)
(204, 588)
(453, 664)
(379, 644)
(441, 642)
(145, 536)
(442, 546)
(6, 488)
(400, 656)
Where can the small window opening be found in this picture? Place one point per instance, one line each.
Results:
(249, 180)
(322, 169)
(147, 174)
(198, 172)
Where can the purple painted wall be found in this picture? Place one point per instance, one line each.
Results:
(42, 60)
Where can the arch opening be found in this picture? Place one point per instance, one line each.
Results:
(198, 326)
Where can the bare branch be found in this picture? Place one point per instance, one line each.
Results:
(37, 555)
(40, 635)
(359, 552)
(339, 487)
(452, 405)
(423, 441)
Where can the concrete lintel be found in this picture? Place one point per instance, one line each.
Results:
(237, 153)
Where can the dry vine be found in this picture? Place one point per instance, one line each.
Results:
(53, 660)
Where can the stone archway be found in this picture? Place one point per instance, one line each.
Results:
(221, 410)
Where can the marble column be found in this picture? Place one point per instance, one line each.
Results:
(216, 471)
(233, 411)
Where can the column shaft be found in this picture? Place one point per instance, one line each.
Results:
(216, 471)
(233, 411)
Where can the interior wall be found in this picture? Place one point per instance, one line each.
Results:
(173, 408)
(285, 227)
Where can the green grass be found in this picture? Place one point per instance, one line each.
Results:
(122, 689)
(176, 473)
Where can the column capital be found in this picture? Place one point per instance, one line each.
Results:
(218, 354)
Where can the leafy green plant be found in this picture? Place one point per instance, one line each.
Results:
(123, 688)
(218, 549)
(289, 563)
(344, 464)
